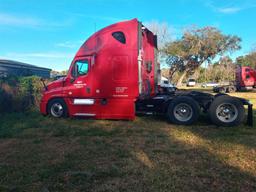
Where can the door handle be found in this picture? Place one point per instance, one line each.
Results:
(72, 80)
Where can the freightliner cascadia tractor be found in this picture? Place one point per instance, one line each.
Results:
(115, 75)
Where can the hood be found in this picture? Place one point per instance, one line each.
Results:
(55, 84)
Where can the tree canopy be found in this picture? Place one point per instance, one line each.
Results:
(196, 46)
(247, 60)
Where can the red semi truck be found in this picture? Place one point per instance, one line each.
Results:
(115, 75)
(245, 81)
(245, 78)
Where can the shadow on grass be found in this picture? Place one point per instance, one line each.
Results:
(147, 154)
(242, 134)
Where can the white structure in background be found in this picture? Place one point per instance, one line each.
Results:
(191, 82)
(167, 85)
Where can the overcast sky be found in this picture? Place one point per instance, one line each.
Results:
(48, 33)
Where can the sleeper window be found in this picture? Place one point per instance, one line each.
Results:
(119, 36)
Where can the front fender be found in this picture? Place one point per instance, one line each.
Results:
(49, 95)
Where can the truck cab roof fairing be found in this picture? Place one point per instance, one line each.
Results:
(103, 38)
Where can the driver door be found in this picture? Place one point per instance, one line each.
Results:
(80, 82)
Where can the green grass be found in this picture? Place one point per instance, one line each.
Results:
(40, 153)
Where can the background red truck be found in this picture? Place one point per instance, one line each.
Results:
(245, 81)
(245, 78)
(115, 75)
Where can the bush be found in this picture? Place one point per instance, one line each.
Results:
(18, 94)
(31, 88)
(5, 101)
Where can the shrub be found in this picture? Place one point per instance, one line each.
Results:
(31, 88)
(18, 94)
(5, 101)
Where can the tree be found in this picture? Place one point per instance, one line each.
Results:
(64, 72)
(197, 46)
(164, 34)
(163, 31)
(223, 70)
(220, 71)
(247, 60)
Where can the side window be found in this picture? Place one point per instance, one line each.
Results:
(119, 36)
(80, 68)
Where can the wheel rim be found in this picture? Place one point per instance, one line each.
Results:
(183, 112)
(57, 110)
(227, 112)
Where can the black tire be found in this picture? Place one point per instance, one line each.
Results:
(57, 104)
(174, 113)
(216, 89)
(231, 89)
(226, 111)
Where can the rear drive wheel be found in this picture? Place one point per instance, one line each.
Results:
(183, 111)
(231, 89)
(226, 111)
(57, 108)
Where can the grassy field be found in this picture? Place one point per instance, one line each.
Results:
(43, 154)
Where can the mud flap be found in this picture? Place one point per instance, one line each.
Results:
(250, 115)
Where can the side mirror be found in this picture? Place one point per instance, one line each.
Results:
(43, 81)
(73, 74)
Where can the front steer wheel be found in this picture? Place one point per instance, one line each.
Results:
(226, 111)
(57, 108)
(183, 111)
